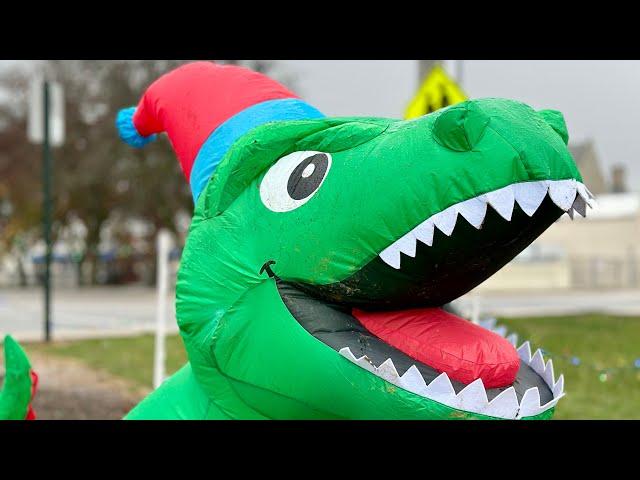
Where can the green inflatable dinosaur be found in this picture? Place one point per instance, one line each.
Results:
(322, 250)
(19, 383)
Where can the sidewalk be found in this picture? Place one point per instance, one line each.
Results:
(557, 302)
(83, 313)
(127, 311)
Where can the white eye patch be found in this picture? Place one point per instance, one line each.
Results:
(293, 180)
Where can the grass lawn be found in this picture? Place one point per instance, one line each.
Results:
(599, 341)
(130, 358)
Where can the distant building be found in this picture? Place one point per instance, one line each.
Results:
(601, 251)
(588, 162)
(619, 179)
(586, 158)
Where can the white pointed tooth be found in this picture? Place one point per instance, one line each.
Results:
(441, 390)
(365, 363)
(563, 193)
(551, 403)
(592, 199)
(584, 191)
(585, 194)
(500, 330)
(524, 352)
(537, 363)
(473, 397)
(387, 370)
(580, 206)
(407, 244)
(530, 195)
(530, 404)
(413, 381)
(558, 388)
(513, 339)
(446, 220)
(346, 352)
(424, 232)
(505, 405)
(570, 213)
(488, 323)
(473, 211)
(391, 256)
(502, 201)
(548, 375)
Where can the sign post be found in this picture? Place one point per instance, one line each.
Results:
(46, 126)
(46, 209)
(437, 89)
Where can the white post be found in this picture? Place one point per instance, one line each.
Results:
(163, 246)
(460, 73)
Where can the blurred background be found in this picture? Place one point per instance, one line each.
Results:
(575, 291)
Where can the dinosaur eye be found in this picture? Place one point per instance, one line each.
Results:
(293, 180)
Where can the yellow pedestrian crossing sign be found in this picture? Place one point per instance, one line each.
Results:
(437, 91)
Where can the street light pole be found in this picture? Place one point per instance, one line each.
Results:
(459, 72)
(456, 70)
(47, 210)
(45, 125)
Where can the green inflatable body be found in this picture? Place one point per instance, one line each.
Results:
(322, 250)
(20, 384)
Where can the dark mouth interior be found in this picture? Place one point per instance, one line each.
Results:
(334, 326)
(445, 271)
(436, 276)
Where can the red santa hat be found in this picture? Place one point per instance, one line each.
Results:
(204, 107)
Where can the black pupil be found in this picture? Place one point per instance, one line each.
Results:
(301, 186)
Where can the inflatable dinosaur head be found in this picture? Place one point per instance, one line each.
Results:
(322, 250)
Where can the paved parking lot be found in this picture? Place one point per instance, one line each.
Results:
(115, 311)
(534, 303)
(82, 313)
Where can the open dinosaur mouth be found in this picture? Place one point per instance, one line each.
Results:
(388, 317)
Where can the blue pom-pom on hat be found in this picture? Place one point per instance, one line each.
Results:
(127, 130)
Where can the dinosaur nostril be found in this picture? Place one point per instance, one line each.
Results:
(460, 127)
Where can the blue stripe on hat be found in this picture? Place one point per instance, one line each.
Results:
(221, 139)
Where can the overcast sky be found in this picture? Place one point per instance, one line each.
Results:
(600, 99)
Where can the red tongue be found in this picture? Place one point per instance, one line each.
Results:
(447, 343)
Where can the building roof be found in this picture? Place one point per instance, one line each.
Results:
(578, 149)
(586, 158)
(611, 206)
(615, 206)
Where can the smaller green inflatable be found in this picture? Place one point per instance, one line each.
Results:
(20, 383)
(323, 252)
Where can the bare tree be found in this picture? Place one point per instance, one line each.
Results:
(96, 176)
